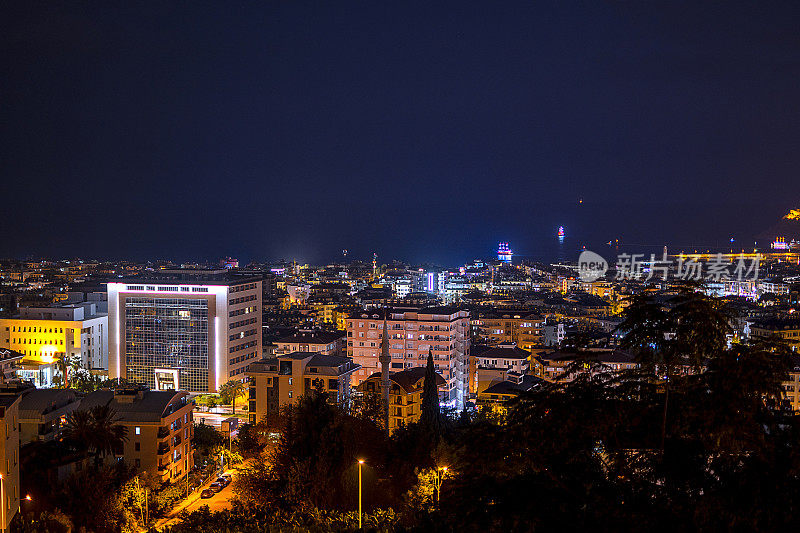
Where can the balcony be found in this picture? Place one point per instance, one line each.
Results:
(163, 432)
(163, 448)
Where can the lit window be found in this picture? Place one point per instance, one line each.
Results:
(138, 430)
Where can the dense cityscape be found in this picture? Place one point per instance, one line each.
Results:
(272, 267)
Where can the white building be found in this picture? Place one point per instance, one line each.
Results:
(553, 334)
(187, 329)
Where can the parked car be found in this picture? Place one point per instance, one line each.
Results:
(227, 476)
(216, 487)
(223, 480)
(207, 493)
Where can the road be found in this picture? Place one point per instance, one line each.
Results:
(218, 502)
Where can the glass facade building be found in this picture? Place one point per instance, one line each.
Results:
(167, 333)
(187, 330)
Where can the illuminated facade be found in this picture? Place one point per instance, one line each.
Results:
(188, 330)
(443, 330)
(43, 334)
(523, 328)
(279, 381)
(787, 330)
(9, 451)
(504, 253)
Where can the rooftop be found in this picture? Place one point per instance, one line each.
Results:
(312, 337)
(135, 405)
(191, 277)
(504, 352)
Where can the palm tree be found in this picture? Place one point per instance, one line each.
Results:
(63, 366)
(108, 435)
(79, 429)
(96, 429)
(232, 388)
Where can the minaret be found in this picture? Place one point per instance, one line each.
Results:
(385, 360)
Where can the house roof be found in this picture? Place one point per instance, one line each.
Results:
(504, 352)
(146, 406)
(509, 387)
(601, 356)
(410, 379)
(38, 402)
(312, 337)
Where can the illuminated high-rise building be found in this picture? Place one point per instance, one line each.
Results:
(186, 329)
(413, 333)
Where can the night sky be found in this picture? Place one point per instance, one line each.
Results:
(268, 130)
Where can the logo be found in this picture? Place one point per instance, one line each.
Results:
(591, 266)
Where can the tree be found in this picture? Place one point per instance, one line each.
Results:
(689, 333)
(79, 429)
(96, 430)
(108, 435)
(431, 416)
(230, 390)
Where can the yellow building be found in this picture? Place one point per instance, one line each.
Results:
(160, 428)
(405, 394)
(324, 342)
(42, 334)
(276, 382)
(499, 393)
(792, 387)
(9, 452)
(554, 366)
(787, 330)
(523, 328)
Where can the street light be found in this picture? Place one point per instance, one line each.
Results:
(360, 462)
(440, 473)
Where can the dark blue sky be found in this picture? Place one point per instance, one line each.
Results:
(423, 132)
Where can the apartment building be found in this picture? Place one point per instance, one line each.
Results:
(523, 328)
(555, 366)
(787, 330)
(493, 364)
(43, 413)
(282, 380)
(792, 386)
(324, 342)
(184, 329)
(405, 394)
(9, 452)
(444, 331)
(499, 393)
(160, 428)
(42, 334)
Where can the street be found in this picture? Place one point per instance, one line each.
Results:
(218, 502)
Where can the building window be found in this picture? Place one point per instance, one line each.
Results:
(138, 431)
(137, 446)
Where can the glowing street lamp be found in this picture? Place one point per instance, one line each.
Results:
(360, 462)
